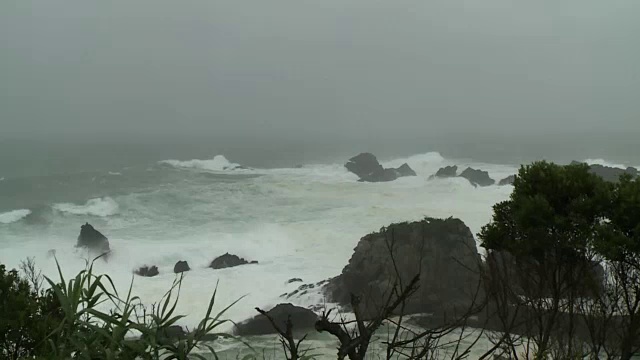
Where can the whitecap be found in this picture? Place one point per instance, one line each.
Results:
(604, 162)
(218, 163)
(13, 216)
(114, 173)
(96, 207)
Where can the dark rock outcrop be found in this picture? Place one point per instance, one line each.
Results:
(181, 266)
(294, 280)
(446, 172)
(608, 173)
(364, 165)
(301, 318)
(228, 260)
(507, 181)
(368, 169)
(405, 170)
(442, 251)
(477, 177)
(92, 239)
(148, 271)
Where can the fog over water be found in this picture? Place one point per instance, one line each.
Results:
(283, 82)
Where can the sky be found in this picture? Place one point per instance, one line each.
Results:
(398, 72)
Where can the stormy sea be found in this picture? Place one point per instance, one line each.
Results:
(298, 222)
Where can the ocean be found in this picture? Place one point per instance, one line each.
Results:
(297, 222)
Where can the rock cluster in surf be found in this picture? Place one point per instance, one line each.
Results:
(228, 260)
(368, 169)
(148, 271)
(474, 176)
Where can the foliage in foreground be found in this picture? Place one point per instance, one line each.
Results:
(65, 321)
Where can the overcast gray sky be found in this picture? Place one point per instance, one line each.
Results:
(272, 69)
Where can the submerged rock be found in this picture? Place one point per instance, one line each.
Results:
(92, 239)
(228, 260)
(442, 252)
(301, 318)
(507, 181)
(446, 172)
(181, 266)
(147, 271)
(477, 177)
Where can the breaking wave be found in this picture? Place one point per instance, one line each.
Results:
(95, 207)
(13, 216)
(218, 163)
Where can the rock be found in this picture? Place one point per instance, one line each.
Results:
(368, 169)
(181, 266)
(228, 260)
(507, 181)
(442, 251)
(446, 172)
(301, 318)
(92, 239)
(147, 271)
(364, 165)
(608, 173)
(405, 170)
(174, 332)
(294, 280)
(477, 177)
(383, 175)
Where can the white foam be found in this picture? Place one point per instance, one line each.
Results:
(114, 173)
(96, 207)
(604, 162)
(302, 222)
(13, 216)
(218, 163)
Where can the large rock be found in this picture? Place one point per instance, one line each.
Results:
(92, 239)
(368, 169)
(181, 266)
(148, 271)
(509, 180)
(364, 165)
(228, 260)
(477, 177)
(301, 318)
(446, 172)
(608, 173)
(442, 252)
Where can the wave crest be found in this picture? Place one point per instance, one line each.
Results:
(102, 207)
(218, 163)
(13, 216)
